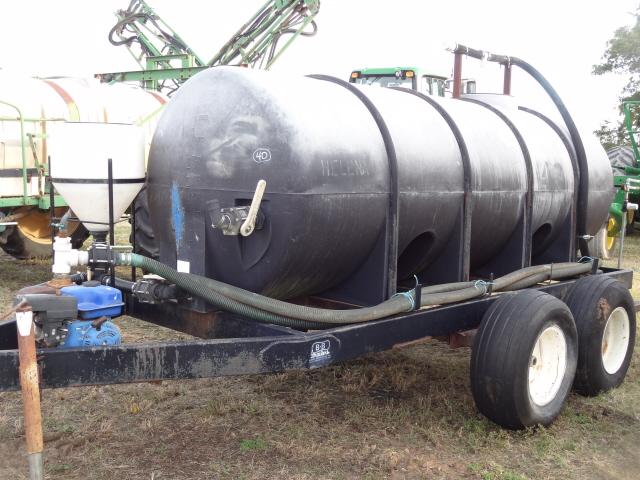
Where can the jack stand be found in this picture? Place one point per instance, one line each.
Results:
(29, 382)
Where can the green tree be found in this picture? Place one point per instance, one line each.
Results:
(622, 56)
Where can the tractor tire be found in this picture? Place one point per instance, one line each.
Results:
(31, 238)
(145, 240)
(620, 158)
(524, 359)
(605, 317)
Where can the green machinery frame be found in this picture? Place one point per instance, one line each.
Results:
(626, 185)
(166, 61)
(41, 201)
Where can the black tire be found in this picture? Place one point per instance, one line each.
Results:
(620, 158)
(592, 301)
(503, 352)
(145, 240)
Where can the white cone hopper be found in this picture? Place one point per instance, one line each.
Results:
(79, 168)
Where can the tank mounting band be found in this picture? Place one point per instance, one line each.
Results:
(466, 172)
(574, 164)
(576, 139)
(393, 211)
(527, 160)
(98, 180)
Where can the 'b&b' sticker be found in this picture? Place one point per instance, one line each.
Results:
(320, 353)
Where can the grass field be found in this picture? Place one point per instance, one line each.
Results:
(404, 414)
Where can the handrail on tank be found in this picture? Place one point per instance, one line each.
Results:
(33, 120)
(23, 152)
(146, 119)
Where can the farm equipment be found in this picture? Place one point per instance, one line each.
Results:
(295, 235)
(29, 109)
(166, 61)
(417, 79)
(625, 161)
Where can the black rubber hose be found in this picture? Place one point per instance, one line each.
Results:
(578, 145)
(396, 304)
(120, 283)
(200, 290)
(576, 140)
(243, 302)
(554, 273)
(558, 270)
(435, 295)
(78, 278)
(523, 278)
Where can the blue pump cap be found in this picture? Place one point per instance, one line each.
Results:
(95, 302)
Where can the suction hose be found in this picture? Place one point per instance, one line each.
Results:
(269, 310)
(229, 298)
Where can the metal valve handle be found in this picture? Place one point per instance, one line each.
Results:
(250, 222)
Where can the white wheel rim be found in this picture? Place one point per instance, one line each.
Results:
(547, 365)
(615, 340)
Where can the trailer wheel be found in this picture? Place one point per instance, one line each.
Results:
(524, 359)
(606, 321)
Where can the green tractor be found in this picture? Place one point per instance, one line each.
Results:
(625, 161)
(418, 79)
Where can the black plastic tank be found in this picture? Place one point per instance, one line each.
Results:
(324, 161)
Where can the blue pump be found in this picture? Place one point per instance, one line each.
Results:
(93, 302)
(83, 334)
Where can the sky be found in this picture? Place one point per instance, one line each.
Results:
(561, 38)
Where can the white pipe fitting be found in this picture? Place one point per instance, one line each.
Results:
(65, 257)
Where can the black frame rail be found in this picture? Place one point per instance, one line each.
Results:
(241, 346)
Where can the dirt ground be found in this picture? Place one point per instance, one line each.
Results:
(404, 414)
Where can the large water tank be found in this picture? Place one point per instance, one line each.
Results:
(328, 184)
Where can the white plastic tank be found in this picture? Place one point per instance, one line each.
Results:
(48, 101)
(79, 168)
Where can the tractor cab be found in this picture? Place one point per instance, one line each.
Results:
(409, 77)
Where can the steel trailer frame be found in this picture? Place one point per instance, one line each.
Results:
(231, 345)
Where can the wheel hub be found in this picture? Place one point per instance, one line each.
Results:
(615, 340)
(547, 365)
